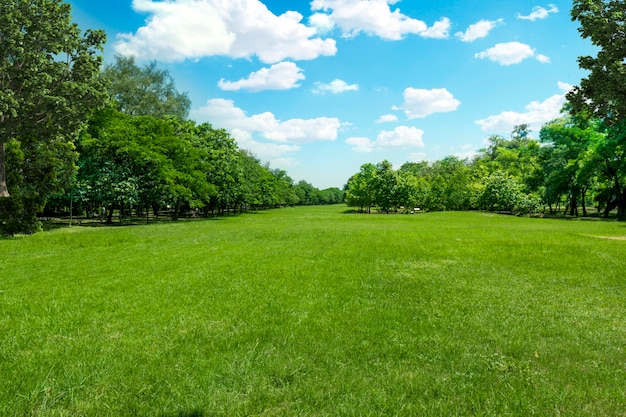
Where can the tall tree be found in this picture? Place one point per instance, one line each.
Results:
(602, 93)
(145, 91)
(48, 85)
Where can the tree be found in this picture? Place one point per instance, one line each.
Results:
(360, 188)
(385, 181)
(144, 91)
(602, 93)
(569, 166)
(49, 84)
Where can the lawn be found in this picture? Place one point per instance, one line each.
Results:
(316, 311)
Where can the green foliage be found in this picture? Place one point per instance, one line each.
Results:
(309, 311)
(147, 91)
(48, 86)
(602, 93)
(360, 191)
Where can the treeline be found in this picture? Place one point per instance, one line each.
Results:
(135, 153)
(145, 165)
(577, 161)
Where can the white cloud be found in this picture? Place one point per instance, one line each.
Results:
(334, 87)
(543, 59)
(421, 103)
(375, 17)
(401, 137)
(536, 114)
(263, 150)
(223, 113)
(539, 13)
(510, 53)
(192, 29)
(478, 30)
(322, 22)
(361, 144)
(281, 76)
(387, 118)
(439, 30)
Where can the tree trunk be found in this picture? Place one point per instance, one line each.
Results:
(583, 196)
(621, 206)
(573, 204)
(110, 214)
(4, 192)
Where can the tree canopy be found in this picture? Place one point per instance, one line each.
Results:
(49, 83)
(144, 91)
(602, 94)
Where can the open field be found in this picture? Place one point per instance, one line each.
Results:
(318, 312)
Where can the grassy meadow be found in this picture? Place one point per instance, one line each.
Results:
(315, 311)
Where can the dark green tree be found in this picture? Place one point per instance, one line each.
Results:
(602, 93)
(147, 90)
(49, 83)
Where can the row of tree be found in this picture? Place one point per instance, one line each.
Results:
(119, 138)
(575, 162)
(577, 159)
(75, 136)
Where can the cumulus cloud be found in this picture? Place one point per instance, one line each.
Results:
(335, 87)
(439, 30)
(402, 137)
(281, 76)
(375, 17)
(539, 12)
(322, 22)
(223, 113)
(421, 103)
(478, 30)
(191, 29)
(536, 114)
(510, 53)
(387, 118)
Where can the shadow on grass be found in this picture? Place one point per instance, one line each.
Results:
(186, 413)
(63, 223)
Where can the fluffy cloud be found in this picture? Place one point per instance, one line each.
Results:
(334, 87)
(192, 29)
(322, 22)
(478, 30)
(402, 137)
(361, 144)
(375, 17)
(281, 76)
(536, 114)
(539, 13)
(224, 114)
(511, 53)
(387, 118)
(543, 59)
(421, 103)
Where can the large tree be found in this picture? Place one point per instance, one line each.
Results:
(145, 91)
(602, 93)
(49, 82)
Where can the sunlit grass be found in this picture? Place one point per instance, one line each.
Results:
(314, 311)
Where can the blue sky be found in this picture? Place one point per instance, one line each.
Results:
(318, 88)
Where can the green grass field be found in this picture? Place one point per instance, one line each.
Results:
(317, 312)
